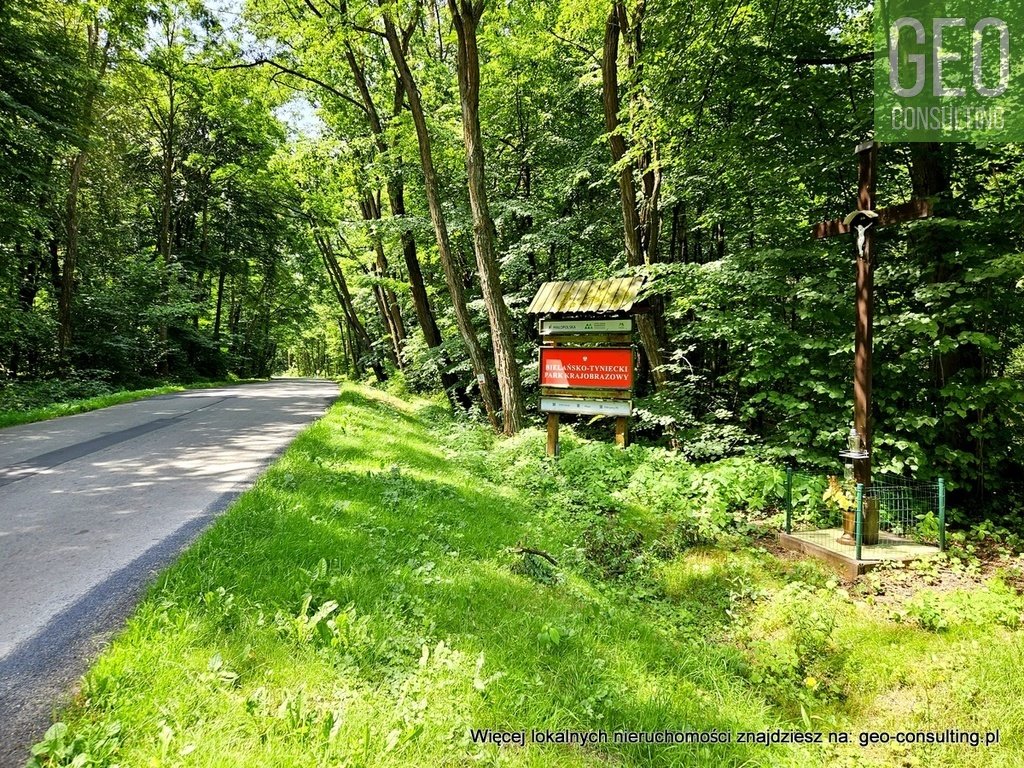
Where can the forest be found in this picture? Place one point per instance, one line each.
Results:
(376, 189)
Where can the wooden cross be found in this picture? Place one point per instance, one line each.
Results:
(864, 221)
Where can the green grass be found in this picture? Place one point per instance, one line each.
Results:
(13, 417)
(365, 605)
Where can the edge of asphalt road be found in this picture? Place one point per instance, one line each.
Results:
(186, 390)
(39, 676)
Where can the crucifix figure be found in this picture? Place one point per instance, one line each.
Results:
(862, 238)
(864, 221)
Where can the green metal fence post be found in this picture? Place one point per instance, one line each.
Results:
(789, 499)
(942, 515)
(860, 516)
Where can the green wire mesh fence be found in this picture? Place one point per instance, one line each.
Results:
(894, 519)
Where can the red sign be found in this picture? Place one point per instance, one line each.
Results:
(606, 368)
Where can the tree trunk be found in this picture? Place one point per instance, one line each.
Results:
(475, 351)
(346, 350)
(67, 280)
(220, 301)
(98, 59)
(640, 235)
(394, 351)
(466, 16)
(930, 179)
(674, 237)
(391, 314)
(340, 288)
(396, 200)
(420, 300)
(166, 209)
(202, 291)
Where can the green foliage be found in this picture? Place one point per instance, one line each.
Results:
(927, 528)
(792, 646)
(145, 124)
(925, 610)
(536, 568)
(92, 747)
(550, 637)
(810, 498)
(25, 396)
(620, 497)
(997, 605)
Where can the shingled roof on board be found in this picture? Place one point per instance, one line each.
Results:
(570, 297)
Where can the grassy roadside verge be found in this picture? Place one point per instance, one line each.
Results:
(368, 603)
(10, 418)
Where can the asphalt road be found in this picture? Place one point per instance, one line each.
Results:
(93, 506)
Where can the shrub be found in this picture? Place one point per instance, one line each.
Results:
(791, 647)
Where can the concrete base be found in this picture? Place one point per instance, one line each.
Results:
(825, 545)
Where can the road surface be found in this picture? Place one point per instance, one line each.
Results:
(92, 506)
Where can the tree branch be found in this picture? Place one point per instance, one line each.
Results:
(818, 61)
(410, 30)
(367, 30)
(576, 45)
(295, 73)
(537, 552)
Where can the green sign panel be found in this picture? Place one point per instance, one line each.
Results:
(949, 70)
(553, 327)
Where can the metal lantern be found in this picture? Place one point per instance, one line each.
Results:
(853, 441)
(853, 451)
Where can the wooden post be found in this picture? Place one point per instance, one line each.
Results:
(864, 226)
(868, 162)
(552, 434)
(621, 431)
